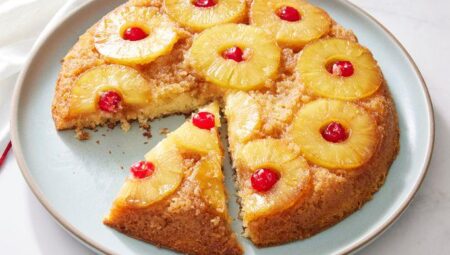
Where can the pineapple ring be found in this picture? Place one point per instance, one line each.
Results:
(261, 64)
(356, 150)
(208, 174)
(198, 19)
(161, 37)
(168, 175)
(87, 89)
(193, 139)
(313, 62)
(291, 187)
(244, 116)
(314, 22)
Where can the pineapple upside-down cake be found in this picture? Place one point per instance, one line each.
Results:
(312, 128)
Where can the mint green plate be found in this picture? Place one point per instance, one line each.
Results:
(77, 181)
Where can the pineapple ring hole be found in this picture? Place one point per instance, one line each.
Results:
(141, 26)
(340, 138)
(329, 66)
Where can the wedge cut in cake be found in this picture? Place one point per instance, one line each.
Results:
(175, 198)
(312, 127)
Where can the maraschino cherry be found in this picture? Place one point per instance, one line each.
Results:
(110, 101)
(263, 179)
(134, 34)
(142, 169)
(235, 53)
(334, 132)
(204, 120)
(204, 3)
(288, 13)
(342, 68)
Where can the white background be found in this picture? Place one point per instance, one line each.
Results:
(422, 26)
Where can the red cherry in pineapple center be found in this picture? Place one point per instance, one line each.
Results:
(204, 120)
(263, 179)
(204, 3)
(342, 68)
(334, 132)
(134, 34)
(288, 13)
(235, 53)
(110, 101)
(142, 169)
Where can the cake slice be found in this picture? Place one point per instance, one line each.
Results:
(176, 197)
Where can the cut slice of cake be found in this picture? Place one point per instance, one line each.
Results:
(176, 197)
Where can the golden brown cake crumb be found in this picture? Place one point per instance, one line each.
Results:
(164, 131)
(81, 135)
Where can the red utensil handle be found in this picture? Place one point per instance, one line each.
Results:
(5, 153)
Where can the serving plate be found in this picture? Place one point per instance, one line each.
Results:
(77, 181)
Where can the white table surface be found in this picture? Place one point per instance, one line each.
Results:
(423, 27)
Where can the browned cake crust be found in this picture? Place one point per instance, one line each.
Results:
(182, 221)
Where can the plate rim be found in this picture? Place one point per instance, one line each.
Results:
(86, 240)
